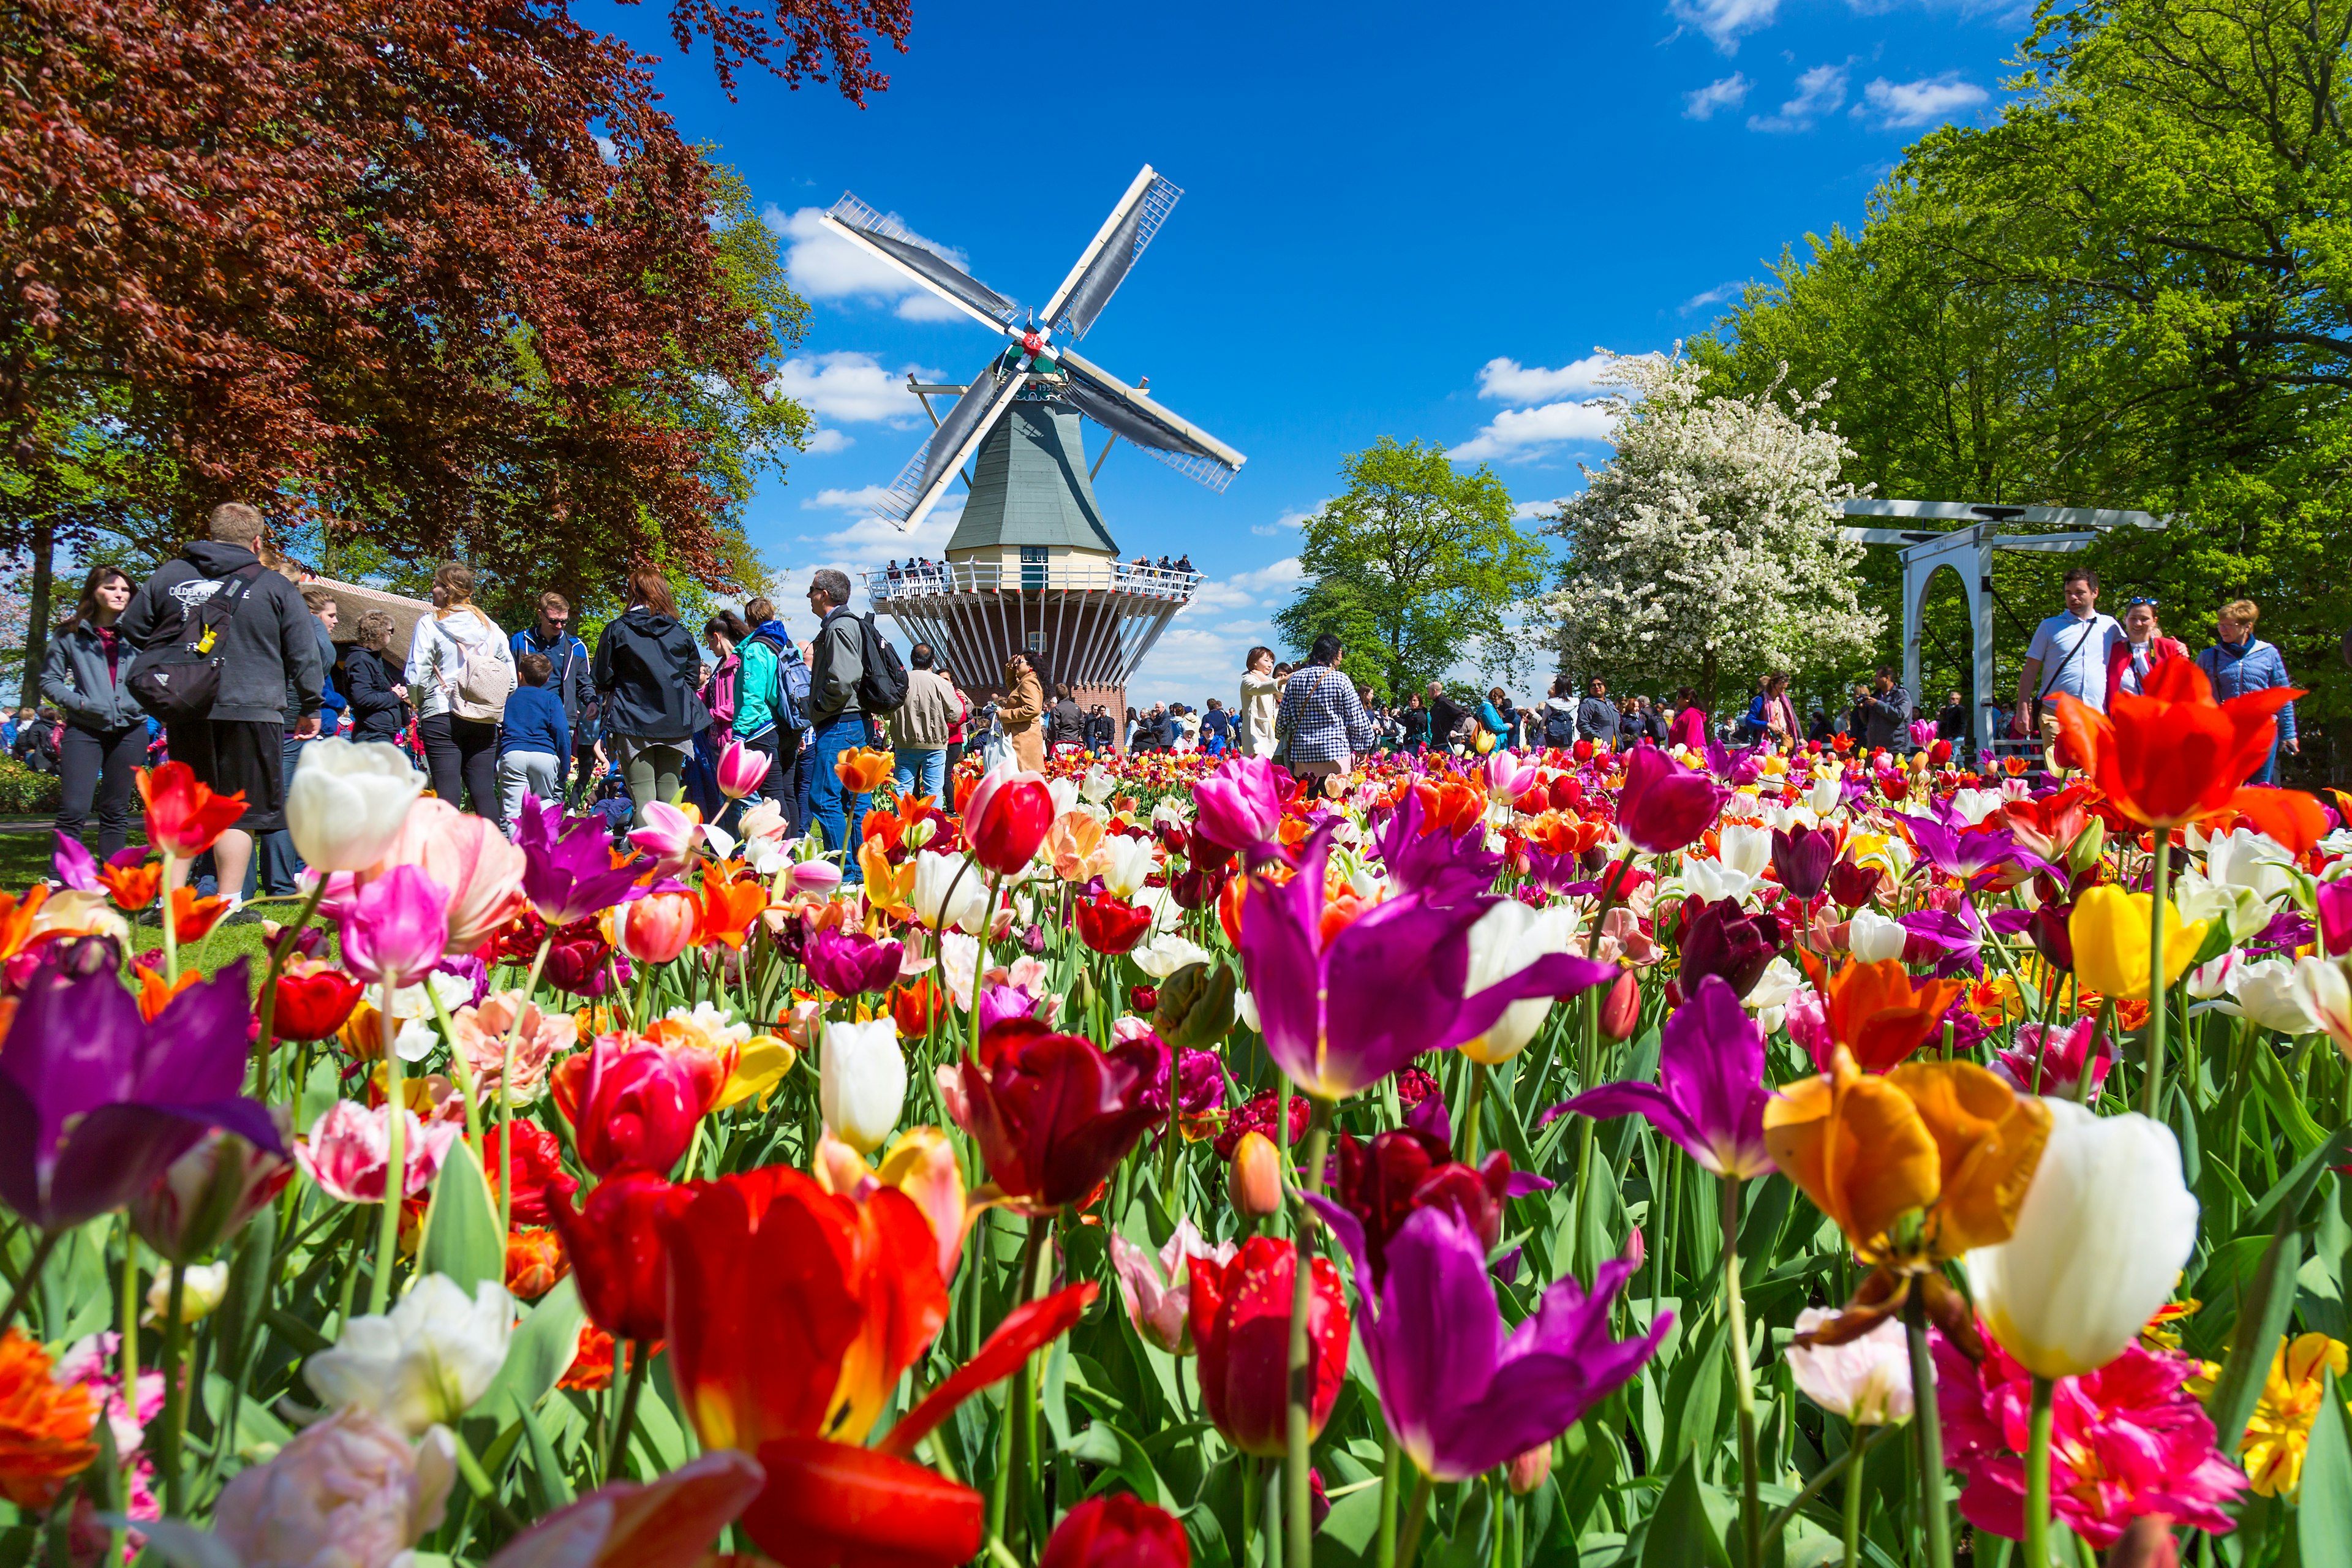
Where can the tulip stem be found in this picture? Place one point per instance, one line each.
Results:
(395, 1167)
(1008, 1454)
(979, 957)
(1735, 1315)
(129, 1365)
(176, 1398)
(2100, 1028)
(1934, 1522)
(505, 1083)
(1470, 1109)
(172, 876)
(616, 1440)
(1391, 1473)
(1848, 1463)
(1298, 1518)
(2152, 1091)
(2037, 1478)
(1849, 1505)
(1409, 1538)
(1588, 1068)
(24, 1282)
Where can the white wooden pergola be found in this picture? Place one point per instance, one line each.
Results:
(1968, 551)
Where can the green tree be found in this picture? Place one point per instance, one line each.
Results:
(1415, 567)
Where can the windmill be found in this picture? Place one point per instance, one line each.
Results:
(1031, 567)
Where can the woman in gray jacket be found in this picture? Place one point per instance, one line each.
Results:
(105, 731)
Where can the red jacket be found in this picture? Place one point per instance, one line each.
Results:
(2119, 660)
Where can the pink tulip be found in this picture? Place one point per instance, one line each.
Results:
(471, 859)
(741, 770)
(667, 838)
(346, 1153)
(655, 927)
(1159, 1307)
(1508, 776)
(817, 876)
(396, 930)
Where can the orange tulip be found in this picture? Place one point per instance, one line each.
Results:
(655, 927)
(1915, 1167)
(2172, 755)
(1074, 844)
(724, 908)
(184, 817)
(862, 772)
(888, 889)
(134, 886)
(154, 995)
(1877, 1012)
(192, 917)
(45, 1426)
(17, 916)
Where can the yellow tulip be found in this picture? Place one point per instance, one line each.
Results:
(2109, 929)
(762, 1065)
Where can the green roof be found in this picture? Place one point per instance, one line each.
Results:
(1030, 485)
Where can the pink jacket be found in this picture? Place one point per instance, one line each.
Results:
(1689, 729)
(2119, 660)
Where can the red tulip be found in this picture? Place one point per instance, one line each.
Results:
(538, 1157)
(1006, 819)
(617, 1248)
(1240, 1321)
(314, 1001)
(183, 817)
(1052, 1113)
(1621, 1010)
(1120, 1531)
(668, 1522)
(1665, 805)
(834, 1505)
(2171, 755)
(1110, 925)
(794, 1310)
(1404, 1169)
(632, 1103)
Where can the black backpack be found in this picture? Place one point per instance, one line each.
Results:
(882, 683)
(1559, 726)
(178, 680)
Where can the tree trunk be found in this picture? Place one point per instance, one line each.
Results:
(1707, 685)
(36, 609)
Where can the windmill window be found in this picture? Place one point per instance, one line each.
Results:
(1037, 642)
(1032, 566)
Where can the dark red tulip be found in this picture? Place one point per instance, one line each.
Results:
(1724, 940)
(1197, 886)
(1801, 859)
(1120, 1531)
(1240, 1321)
(1663, 805)
(1110, 925)
(1850, 886)
(1052, 1113)
(2050, 936)
(616, 1248)
(1384, 1182)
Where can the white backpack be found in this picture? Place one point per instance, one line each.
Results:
(486, 677)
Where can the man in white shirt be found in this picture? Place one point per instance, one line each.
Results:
(2068, 656)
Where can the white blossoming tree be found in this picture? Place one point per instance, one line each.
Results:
(1707, 548)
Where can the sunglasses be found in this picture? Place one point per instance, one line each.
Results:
(2151, 603)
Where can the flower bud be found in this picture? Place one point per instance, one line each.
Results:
(202, 1287)
(207, 1193)
(1529, 1470)
(1254, 1179)
(2088, 845)
(1621, 1009)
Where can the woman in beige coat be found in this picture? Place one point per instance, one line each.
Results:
(1018, 710)
(1261, 696)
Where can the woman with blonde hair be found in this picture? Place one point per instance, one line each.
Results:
(460, 670)
(2239, 662)
(646, 672)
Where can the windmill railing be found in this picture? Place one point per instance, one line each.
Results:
(924, 579)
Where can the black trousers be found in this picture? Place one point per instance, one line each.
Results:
(94, 763)
(463, 754)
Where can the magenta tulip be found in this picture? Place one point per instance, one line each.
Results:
(1711, 1094)
(1665, 805)
(741, 769)
(1239, 806)
(396, 929)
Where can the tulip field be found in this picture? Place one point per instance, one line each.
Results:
(1730, 1159)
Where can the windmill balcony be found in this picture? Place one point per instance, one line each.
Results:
(887, 587)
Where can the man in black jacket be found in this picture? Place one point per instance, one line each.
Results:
(269, 659)
(1446, 716)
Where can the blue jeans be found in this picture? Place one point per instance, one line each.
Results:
(2268, 772)
(921, 769)
(832, 808)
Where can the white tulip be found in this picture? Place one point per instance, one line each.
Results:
(936, 886)
(2255, 861)
(1129, 862)
(1874, 937)
(862, 1082)
(1164, 954)
(2272, 992)
(1066, 796)
(424, 1364)
(1744, 849)
(2100, 1237)
(1710, 882)
(348, 802)
(2320, 986)
(1773, 987)
(1245, 1009)
(2199, 897)
(1825, 795)
(1508, 938)
(1098, 785)
(1867, 1380)
(1975, 804)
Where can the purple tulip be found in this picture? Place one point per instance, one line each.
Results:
(1239, 806)
(75, 866)
(2335, 917)
(1951, 941)
(1725, 941)
(1665, 805)
(1711, 1094)
(96, 1102)
(1977, 856)
(569, 875)
(1339, 1016)
(397, 927)
(848, 963)
(1801, 859)
(1442, 867)
(1463, 1392)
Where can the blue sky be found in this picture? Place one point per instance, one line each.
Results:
(1416, 221)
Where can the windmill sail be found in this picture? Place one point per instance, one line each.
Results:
(887, 238)
(1116, 250)
(923, 480)
(1175, 441)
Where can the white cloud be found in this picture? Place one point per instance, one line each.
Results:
(824, 266)
(1728, 92)
(1507, 381)
(1905, 105)
(1724, 20)
(825, 442)
(1715, 296)
(1288, 520)
(1529, 510)
(1821, 91)
(1521, 433)
(850, 388)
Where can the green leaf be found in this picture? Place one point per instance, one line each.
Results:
(462, 1238)
(1133, 1467)
(541, 1350)
(554, 1490)
(2266, 1300)
(1681, 1533)
(2322, 1516)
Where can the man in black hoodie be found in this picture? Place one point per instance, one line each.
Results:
(269, 661)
